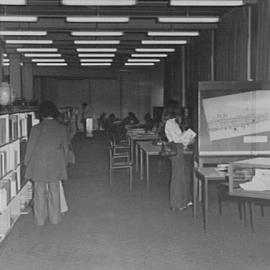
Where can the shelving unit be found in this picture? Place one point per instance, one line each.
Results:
(15, 192)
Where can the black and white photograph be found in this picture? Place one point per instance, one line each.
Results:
(134, 134)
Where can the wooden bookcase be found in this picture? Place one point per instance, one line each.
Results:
(15, 192)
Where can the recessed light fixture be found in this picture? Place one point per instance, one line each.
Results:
(51, 64)
(173, 33)
(48, 60)
(96, 64)
(206, 2)
(12, 2)
(95, 42)
(96, 33)
(149, 55)
(155, 50)
(144, 60)
(163, 42)
(18, 18)
(37, 49)
(96, 55)
(42, 54)
(4, 55)
(188, 19)
(97, 19)
(28, 41)
(22, 33)
(139, 64)
(99, 2)
(96, 60)
(96, 50)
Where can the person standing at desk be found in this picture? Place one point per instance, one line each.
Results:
(180, 193)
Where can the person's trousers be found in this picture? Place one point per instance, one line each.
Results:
(47, 202)
(180, 193)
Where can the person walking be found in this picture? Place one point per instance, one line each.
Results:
(46, 163)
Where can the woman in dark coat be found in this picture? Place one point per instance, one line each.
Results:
(46, 163)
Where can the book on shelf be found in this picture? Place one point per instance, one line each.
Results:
(16, 158)
(5, 184)
(3, 200)
(3, 127)
(3, 163)
(13, 184)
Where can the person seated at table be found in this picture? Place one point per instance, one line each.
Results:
(180, 184)
(131, 119)
(148, 122)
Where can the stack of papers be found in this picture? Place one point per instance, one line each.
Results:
(188, 136)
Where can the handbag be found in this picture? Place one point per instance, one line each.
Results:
(168, 149)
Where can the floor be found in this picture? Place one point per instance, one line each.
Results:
(120, 230)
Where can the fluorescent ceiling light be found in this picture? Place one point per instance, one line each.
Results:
(4, 55)
(23, 33)
(144, 60)
(99, 2)
(5, 60)
(96, 60)
(188, 19)
(18, 18)
(5, 64)
(48, 60)
(96, 55)
(139, 64)
(96, 50)
(175, 42)
(155, 50)
(96, 19)
(171, 33)
(12, 2)
(28, 41)
(37, 50)
(96, 33)
(96, 64)
(149, 55)
(96, 42)
(206, 2)
(42, 54)
(51, 64)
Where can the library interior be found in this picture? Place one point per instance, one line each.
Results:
(118, 144)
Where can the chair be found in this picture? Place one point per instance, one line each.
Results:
(120, 160)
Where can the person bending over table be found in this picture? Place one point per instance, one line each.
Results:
(180, 186)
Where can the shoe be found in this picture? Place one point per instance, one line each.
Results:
(189, 204)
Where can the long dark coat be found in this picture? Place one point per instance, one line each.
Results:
(46, 152)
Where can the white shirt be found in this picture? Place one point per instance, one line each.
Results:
(173, 131)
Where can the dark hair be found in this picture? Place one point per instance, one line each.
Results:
(172, 109)
(47, 109)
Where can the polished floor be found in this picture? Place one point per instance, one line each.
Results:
(120, 230)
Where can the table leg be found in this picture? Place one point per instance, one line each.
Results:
(195, 193)
(141, 164)
(205, 203)
(147, 172)
(132, 150)
(137, 156)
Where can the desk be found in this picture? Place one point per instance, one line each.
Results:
(205, 174)
(150, 150)
(133, 138)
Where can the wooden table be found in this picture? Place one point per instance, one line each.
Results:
(149, 149)
(205, 174)
(133, 138)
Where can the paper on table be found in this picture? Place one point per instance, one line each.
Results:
(260, 181)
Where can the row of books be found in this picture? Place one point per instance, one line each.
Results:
(8, 189)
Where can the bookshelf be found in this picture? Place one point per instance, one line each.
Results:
(15, 192)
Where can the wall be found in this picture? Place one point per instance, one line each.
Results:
(115, 92)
